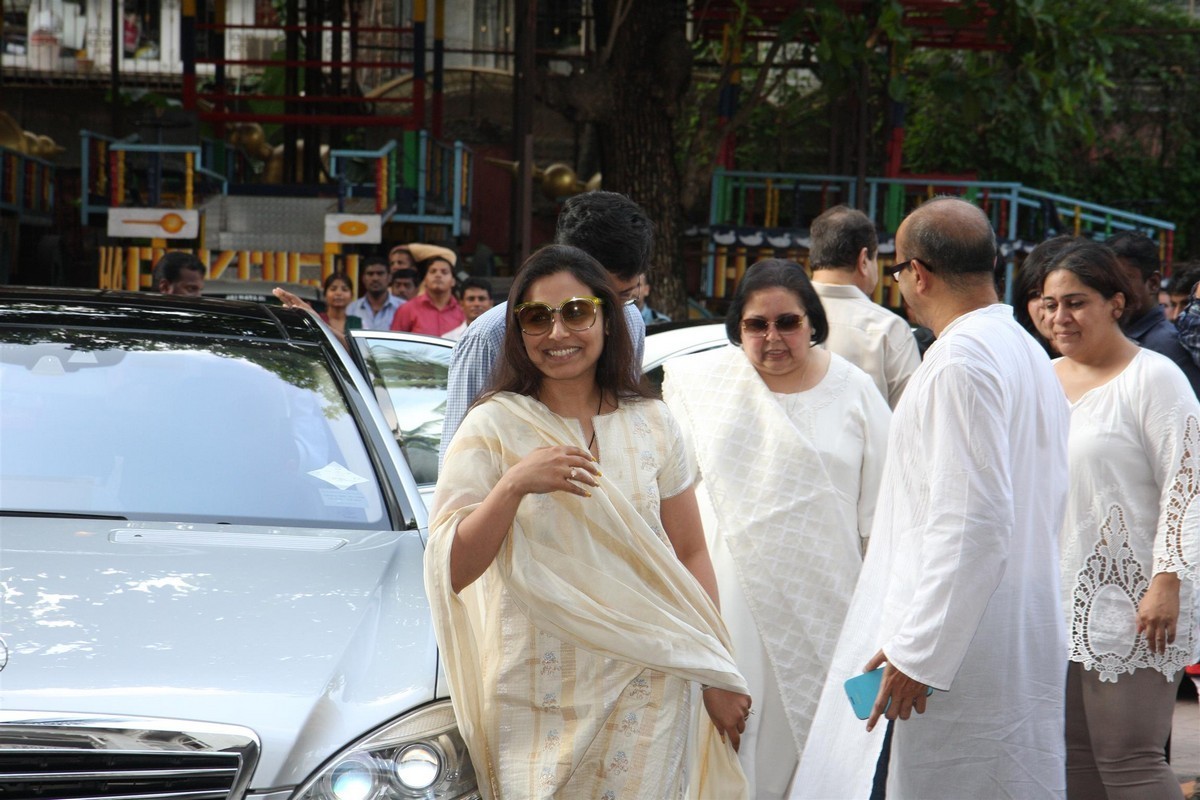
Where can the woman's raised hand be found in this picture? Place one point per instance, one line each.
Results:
(554, 469)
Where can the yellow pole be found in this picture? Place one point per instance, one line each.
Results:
(132, 268)
(189, 160)
(720, 271)
(120, 177)
(739, 265)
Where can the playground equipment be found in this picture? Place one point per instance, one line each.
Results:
(158, 195)
(755, 215)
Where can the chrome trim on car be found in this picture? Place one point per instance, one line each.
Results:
(161, 757)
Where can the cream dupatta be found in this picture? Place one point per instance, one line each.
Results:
(589, 571)
(792, 534)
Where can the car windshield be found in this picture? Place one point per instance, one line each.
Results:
(140, 426)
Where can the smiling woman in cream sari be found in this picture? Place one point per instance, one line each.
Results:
(572, 593)
(790, 441)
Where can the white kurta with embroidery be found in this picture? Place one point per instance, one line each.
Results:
(575, 660)
(1134, 511)
(960, 586)
(787, 492)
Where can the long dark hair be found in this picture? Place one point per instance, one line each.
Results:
(616, 374)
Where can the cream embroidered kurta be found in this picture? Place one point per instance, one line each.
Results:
(1134, 511)
(787, 491)
(574, 661)
(960, 585)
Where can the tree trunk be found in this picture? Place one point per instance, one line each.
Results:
(638, 140)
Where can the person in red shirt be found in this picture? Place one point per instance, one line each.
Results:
(434, 311)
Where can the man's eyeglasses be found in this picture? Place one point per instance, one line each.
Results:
(784, 324)
(577, 314)
(897, 268)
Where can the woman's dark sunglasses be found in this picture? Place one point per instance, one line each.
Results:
(784, 324)
(577, 313)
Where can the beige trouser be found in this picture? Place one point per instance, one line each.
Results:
(1116, 735)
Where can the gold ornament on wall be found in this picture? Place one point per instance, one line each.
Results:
(14, 137)
(556, 181)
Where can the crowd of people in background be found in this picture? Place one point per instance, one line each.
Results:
(643, 597)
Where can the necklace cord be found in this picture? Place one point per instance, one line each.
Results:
(599, 406)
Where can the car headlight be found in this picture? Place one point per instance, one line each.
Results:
(419, 755)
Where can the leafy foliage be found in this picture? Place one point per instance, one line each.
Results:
(1095, 99)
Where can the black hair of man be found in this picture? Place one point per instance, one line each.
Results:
(953, 238)
(838, 235)
(172, 264)
(405, 272)
(476, 283)
(610, 228)
(371, 261)
(1138, 250)
(1183, 280)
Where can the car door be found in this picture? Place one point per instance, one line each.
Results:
(408, 372)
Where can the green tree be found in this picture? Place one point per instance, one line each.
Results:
(1094, 99)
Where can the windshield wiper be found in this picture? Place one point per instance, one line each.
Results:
(7, 512)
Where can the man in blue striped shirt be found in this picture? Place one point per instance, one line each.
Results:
(607, 226)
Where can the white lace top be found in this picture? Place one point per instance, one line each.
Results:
(1133, 511)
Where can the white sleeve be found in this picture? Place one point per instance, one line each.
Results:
(1171, 436)
(877, 417)
(672, 396)
(971, 518)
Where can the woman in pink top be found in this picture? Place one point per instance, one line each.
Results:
(435, 311)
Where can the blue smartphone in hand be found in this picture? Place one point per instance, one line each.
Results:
(863, 689)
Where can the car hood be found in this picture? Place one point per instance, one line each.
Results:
(311, 638)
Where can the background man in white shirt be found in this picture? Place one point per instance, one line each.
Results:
(845, 273)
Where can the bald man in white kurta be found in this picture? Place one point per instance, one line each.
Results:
(960, 585)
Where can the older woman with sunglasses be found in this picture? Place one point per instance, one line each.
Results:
(573, 597)
(790, 441)
(1131, 536)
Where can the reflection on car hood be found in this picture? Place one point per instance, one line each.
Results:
(281, 630)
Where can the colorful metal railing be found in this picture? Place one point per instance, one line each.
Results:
(417, 180)
(126, 172)
(26, 186)
(756, 214)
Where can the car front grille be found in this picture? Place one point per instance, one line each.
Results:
(51, 757)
